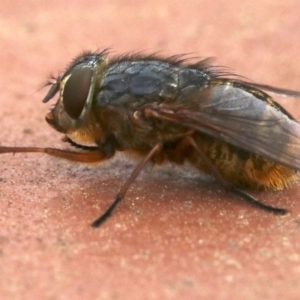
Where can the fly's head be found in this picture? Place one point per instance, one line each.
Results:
(72, 114)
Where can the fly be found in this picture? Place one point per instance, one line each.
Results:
(170, 110)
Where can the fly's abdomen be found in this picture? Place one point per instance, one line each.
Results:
(240, 167)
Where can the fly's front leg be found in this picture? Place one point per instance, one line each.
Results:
(75, 156)
(103, 151)
(96, 154)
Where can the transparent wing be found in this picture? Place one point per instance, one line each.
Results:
(239, 117)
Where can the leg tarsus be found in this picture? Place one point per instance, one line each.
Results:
(108, 212)
(251, 200)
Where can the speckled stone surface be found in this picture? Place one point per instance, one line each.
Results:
(177, 235)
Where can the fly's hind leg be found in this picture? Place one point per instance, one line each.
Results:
(229, 186)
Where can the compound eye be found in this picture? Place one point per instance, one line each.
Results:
(76, 91)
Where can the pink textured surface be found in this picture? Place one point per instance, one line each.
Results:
(176, 236)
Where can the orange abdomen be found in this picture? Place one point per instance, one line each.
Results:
(240, 167)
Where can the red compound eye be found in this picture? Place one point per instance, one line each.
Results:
(76, 91)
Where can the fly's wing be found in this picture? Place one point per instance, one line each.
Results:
(237, 116)
(275, 90)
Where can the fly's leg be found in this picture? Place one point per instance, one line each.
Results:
(121, 194)
(89, 157)
(230, 187)
(84, 157)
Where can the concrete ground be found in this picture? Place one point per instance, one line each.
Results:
(177, 235)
